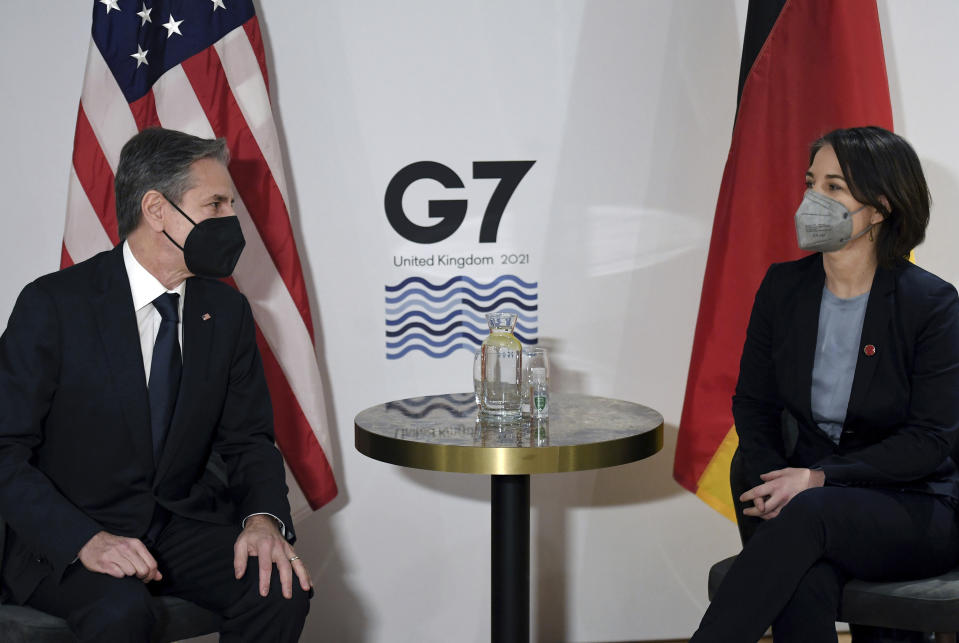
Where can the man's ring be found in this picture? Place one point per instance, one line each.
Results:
(295, 557)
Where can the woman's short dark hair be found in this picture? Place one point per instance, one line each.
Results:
(158, 159)
(877, 163)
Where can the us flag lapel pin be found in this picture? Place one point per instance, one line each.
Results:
(206, 317)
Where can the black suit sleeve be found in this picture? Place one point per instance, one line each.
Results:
(757, 406)
(245, 437)
(29, 372)
(922, 443)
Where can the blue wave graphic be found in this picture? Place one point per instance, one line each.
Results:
(426, 316)
(461, 291)
(419, 280)
(480, 332)
(434, 354)
(432, 342)
(438, 320)
(452, 338)
(436, 332)
(433, 309)
(460, 302)
(496, 304)
(479, 319)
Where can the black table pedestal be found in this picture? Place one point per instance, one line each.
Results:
(443, 433)
(510, 559)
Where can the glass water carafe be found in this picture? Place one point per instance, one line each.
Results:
(501, 364)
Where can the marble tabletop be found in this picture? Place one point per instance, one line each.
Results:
(443, 433)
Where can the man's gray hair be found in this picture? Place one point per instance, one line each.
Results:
(158, 159)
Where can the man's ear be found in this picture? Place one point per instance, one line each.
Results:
(152, 206)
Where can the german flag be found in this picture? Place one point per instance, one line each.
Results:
(808, 67)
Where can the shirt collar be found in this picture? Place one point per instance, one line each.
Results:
(144, 286)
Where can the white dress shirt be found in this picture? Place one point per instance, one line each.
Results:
(145, 288)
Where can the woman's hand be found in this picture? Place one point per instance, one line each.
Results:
(778, 488)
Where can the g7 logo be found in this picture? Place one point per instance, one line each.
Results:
(451, 212)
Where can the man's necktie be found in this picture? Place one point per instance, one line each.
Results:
(165, 370)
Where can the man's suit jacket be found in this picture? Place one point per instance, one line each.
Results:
(76, 455)
(902, 422)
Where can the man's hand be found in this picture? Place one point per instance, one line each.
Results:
(262, 539)
(119, 557)
(778, 488)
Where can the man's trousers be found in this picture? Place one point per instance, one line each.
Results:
(196, 560)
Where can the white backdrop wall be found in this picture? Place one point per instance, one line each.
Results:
(627, 109)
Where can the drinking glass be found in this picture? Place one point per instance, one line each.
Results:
(533, 358)
(524, 379)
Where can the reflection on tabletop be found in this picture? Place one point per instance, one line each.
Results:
(452, 419)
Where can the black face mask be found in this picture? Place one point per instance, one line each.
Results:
(213, 246)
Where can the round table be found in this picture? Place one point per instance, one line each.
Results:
(443, 433)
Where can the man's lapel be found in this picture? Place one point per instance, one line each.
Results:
(199, 320)
(117, 323)
(875, 329)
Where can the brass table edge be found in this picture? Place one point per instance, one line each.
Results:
(508, 460)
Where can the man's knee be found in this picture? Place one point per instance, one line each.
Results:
(256, 617)
(274, 601)
(294, 608)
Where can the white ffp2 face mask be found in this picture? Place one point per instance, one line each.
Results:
(824, 224)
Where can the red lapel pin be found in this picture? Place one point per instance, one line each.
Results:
(205, 317)
(869, 350)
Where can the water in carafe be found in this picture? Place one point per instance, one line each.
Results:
(500, 366)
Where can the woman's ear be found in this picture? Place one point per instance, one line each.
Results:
(877, 215)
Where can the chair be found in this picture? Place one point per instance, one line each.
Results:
(926, 605)
(178, 619)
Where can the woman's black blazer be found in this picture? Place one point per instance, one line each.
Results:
(902, 422)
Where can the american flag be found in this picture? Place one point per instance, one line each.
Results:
(198, 66)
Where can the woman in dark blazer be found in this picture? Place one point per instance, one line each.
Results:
(859, 349)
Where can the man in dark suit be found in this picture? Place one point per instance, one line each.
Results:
(121, 379)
